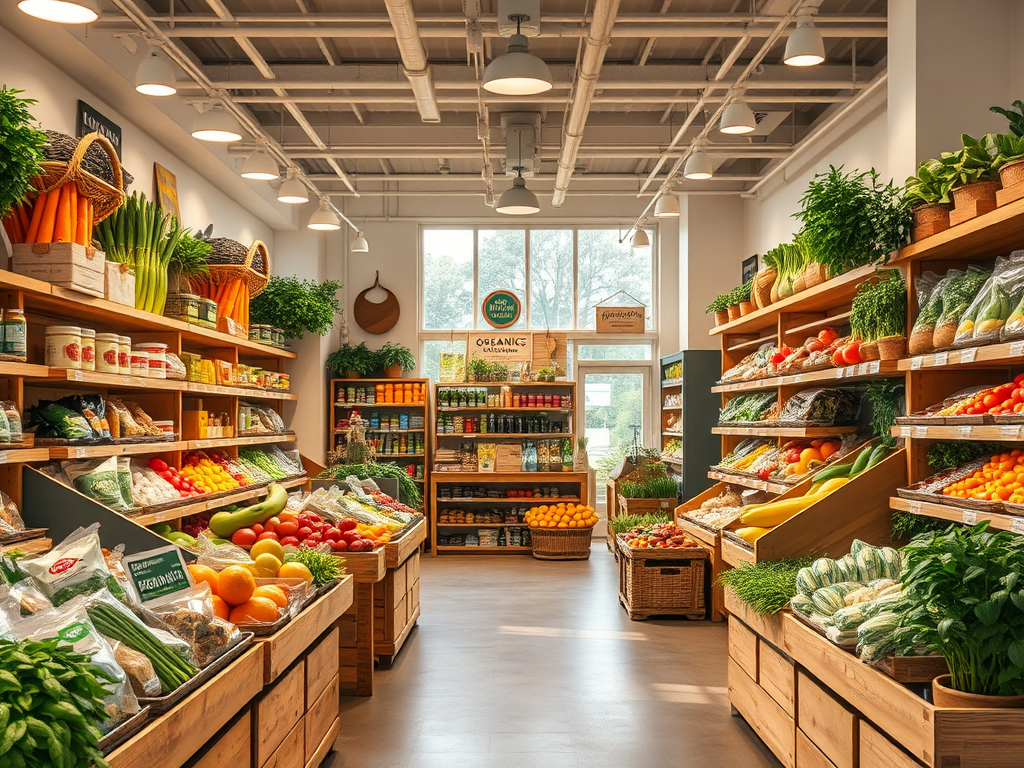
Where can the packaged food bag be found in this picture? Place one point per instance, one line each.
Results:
(98, 479)
(189, 616)
(74, 567)
(959, 292)
(929, 308)
(991, 308)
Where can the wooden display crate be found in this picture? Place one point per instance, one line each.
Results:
(355, 628)
(396, 599)
(645, 506)
(231, 748)
(662, 582)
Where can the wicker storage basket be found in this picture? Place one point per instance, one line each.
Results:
(662, 582)
(106, 196)
(561, 543)
(230, 260)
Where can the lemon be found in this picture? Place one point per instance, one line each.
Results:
(267, 566)
(267, 546)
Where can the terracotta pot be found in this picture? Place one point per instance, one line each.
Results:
(746, 308)
(950, 698)
(892, 347)
(979, 190)
(1011, 173)
(869, 351)
(722, 317)
(352, 375)
(393, 372)
(734, 312)
(925, 214)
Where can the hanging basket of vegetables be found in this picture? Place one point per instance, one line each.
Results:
(105, 195)
(230, 260)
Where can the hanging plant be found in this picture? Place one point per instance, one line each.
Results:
(297, 306)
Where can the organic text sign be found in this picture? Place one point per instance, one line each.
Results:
(621, 319)
(501, 347)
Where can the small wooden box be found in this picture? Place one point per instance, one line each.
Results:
(68, 265)
(278, 711)
(120, 284)
(970, 211)
(643, 506)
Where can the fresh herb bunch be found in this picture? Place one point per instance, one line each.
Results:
(888, 211)
(886, 398)
(358, 359)
(956, 453)
(720, 304)
(932, 310)
(907, 526)
(395, 354)
(964, 599)
(791, 259)
(836, 226)
(188, 259)
(297, 306)
(51, 703)
(479, 367)
(1015, 115)
(408, 490)
(768, 586)
(325, 568)
(741, 292)
(960, 291)
(931, 185)
(880, 310)
(21, 148)
(624, 523)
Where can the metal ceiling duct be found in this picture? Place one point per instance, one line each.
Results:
(414, 58)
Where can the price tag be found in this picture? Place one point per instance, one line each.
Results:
(915, 363)
(968, 355)
(970, 517)
(963, 432)
(798, 378)
(874, 367)
(1017, 348)
(1011, 432)
(3, 457)
(75, 375)
(919, 431)
(941, 358)
(863, 368)
(81, 453)
(840, 372)
(915, 507)
(1017, 525)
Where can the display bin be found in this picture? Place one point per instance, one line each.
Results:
(565, 544)
(396, 599)
(662, 582)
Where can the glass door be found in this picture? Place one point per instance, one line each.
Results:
(616, 413)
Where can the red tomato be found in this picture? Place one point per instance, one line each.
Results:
(990, 401)
(267, 535)
(827, 336)
(339, 546)
(258, 528)
(1018, 379)
(286, 529)
(304, 532)
(350, 536)
(851, 353)
(347, 524)
(332, 534)
(308, 543)
(1017, 395)
(837, 358)
(244, 537)
(271, 524)
(289, 541)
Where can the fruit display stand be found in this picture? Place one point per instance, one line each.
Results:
(396, 598)
(356, 626)
(710, 539)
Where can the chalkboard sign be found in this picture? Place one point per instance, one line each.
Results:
(91, 121)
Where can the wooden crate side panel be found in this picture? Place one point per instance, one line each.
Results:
(808, 755)
(320, 717)
(774, 726)
(278, 710)
(325, 745)
(979, 738)
(289, 753)
(743, 647)
(232, 748)
(777, 675)
(768, 627)
(321, 666)
(876, 750)
(412, 569)
(826, 722)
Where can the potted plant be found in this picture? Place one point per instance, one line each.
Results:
(975, 172)
(929, 196)
(878, 314)
(720, 308)
(1011, 152)
(395, 359)
(478, 369)
(351, 362)
(499, 372)
(963, 599)
(732, 307)
(741, 295)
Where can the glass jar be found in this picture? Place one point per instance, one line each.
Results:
(107, 348)
(254, 333)
(157, 358)
(124, 355)
(88, 349)
(64, 346)
(15, 340)
(140, 363)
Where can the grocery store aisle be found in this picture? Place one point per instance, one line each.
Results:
(528, 664)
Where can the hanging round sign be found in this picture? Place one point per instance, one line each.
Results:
(501, 309)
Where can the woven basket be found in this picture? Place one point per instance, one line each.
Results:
(561, 543)
(105, 197)
(761, 291)
(662, 582)
(230, 260)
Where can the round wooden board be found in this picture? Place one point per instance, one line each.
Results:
(374, 317)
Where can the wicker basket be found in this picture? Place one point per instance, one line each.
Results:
(105, 197)
(561, 543)
(663, 582)
(230, 260)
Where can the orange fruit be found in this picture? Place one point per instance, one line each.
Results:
(201, 573)
(288, 517)
(295, 571)
(235, 584)
(221, 609)
(272, 592)
(257, 609)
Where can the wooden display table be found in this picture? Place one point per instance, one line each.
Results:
(355, 637)
(396, 599)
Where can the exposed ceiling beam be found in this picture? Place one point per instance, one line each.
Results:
(466, 152)
(751, 99)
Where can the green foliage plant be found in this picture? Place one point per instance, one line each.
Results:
(720, 304)
(888, 211)
(1009, 148)
(395, 354)
(21, 148)
(880, 309)
(1015, 115)
(768, 586)
(188, 259)
(297, 306)
(931, 185)
(976, 161)
(357, 359)
(479, 368)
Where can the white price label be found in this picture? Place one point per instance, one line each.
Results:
(1010, 432)
(970, 517)
(874, 367)
(915, 363)
(3, 457)
(919, 432)
(863, 368)
(1017, 525)
(81, 453)
(798, 378)
(963, 432)
(1017, 348)
(915, 507)
(941, 358)
(968, 355)
(75, 375)
(840, 372)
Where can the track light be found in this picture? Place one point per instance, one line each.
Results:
(359, 244)
(667, 207)
(259, 165)
(216, 125)
(62, 11)
(640, 238)
(292, 191)
(805, 48)
(698, 165)
(155, 75)
(517, 72)
(323, 218)
(737, 118)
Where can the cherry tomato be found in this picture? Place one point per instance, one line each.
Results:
(289, 541)
(244, 537)
(267, 535)
(286, 529)
(851, 353)
(271, 524)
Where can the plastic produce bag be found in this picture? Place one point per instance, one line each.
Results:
(189, 616)
(220, 556)
(124, 480)
(929, 308)
(959, 293)
(97, 479)
(51, 420)
(149, 489)
(138, 668)
(991, 308)
(74, 567)
(10, 409)
(825, 406)
(10, 518)
(175, 368)
(22, 599)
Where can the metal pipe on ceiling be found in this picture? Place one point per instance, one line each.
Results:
(492, 19)
(542, 178)
(410, 153)
(652, 84)
(751, 99)
(414, 58)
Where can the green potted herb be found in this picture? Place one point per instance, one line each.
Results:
(878, 313)
(929, 196)
(188, 263)
(395, 359)
(975, 172)
(964, 599)
(297, 306)
(1010, 156)
(836, 230)
(21, 148)
(740, 295)
(351, 362)
(888, 211)
(720, 308)
(478, 369)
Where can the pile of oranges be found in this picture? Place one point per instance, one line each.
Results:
(237, 598)
(1001, 479)
(562, 515)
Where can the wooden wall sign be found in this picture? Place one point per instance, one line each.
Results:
(376, 317)
(621, 319)
(505, 347)
(501, 309)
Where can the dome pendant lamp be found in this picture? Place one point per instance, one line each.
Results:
(260, 165)
(698, 165)
(737, 119)
(61, 11)
(667, 207)
(640, 237)
(359, 244)
(517, 72)
(805, 48)
(323, 218)
(155, 76)
(517, 200)
(292, 191)
(216, 125)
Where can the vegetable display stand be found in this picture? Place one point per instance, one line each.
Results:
(688, 411)
(711, 540)
(662, 582)
(396, 599)
(645, 506)
(356, 626)
(561, 544)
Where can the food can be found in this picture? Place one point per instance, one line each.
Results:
(277, 334)
(64, 346)
(208, 311)
(254, 333)
(167, 427)
(88, 349)
(157, 358)
(266, 334)
(106, 353)
(140, 363)
(183, 306)
(124, 355)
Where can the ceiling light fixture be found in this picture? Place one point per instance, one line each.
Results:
(698, 165)
(292, 191)
(737, 118)
(260, 165)
(805, 48)
(216, 125)
(667, 207)
(517, 200)
(359, 244)
(155, 75)
(640, 238)
(62, 11)
(517, 72)
(323, 218)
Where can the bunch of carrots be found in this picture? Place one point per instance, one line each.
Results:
(61, 215)
(232, 300)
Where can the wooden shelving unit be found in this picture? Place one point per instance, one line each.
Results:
(690, 409)
(339, 407)
(572, 486)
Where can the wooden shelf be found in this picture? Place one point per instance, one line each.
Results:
(671, 383)
(222, 442)
(988, 235)
(873, 370)
(482, 525)
(672, 434)
(484, 550)
(99, 451)
(990, 356)
(25, 370)
(828, 295)
(494, 409)
(205, 505)
(671, 460)
(485, 384)
(749, 482)
(753, 343)
(842, 318)
(997, 520)
(387, 431)
(532, 501)
(357, 406)
(63, 376)
(784, 431)
(671, 407)
(505, 435)
(29, 546)
(14, 455)
(510, 477)
(995, 432)
(384, 456)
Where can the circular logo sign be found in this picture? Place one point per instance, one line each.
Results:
(501, 309)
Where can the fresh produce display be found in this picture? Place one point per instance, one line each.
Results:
(21, 151)
(184, 484)
(226, 524)
(756, 406)
(930, 289)
(798, 457)
(58, 216)
(886, 397)
(823, 406)
(954, 453)
(658, 536)
(561, 515)
(1000, 479)
(209, 475)
(767, 587)
(879, 309)
(747, 452)
(1004, 399)
(718, 512)
(984, 320)
(408, 489)
(323, 568)
(624, 523)
(958, 295)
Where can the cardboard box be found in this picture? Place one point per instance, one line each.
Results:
(508, 458)
(120, 283)
(68, 265)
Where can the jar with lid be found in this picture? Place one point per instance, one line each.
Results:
(64, 346)
(157, 360)
(124, 355)
(140, 363)
(88, 349)
(15, 340)
(107, 348)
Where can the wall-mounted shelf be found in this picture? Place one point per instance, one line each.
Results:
(784, 431)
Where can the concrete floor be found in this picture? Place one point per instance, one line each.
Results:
(529, 664)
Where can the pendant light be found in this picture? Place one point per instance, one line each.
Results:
(667, 207)
(805, 48)
(323, 218)
(216, 125)
(155, 75)
(737, 118)
(698, 165)
(359, 244)
(259, 165)
(517, 200)
(292, 191)
(640, 238)
(517, 72)
(62, 11)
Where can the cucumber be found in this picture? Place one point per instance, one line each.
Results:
(838, 470)
(861, 462)
(876, 456)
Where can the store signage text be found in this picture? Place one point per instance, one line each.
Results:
(502, 347)
(91, 121)
(621, 319)
(501, 309)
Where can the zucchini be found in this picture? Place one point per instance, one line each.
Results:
(830, 599)
(807, 581)
(870, 563)
(848, 569)
(827, 571)
(861, 462)
(837, 470)
(876, 456)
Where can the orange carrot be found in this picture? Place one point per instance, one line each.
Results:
(228, 299)
(72, 212)
(49, 221)
(62, 225)
(89, 222)
(23, 218)
(12, 226)
(37, 217)
(82, 225)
